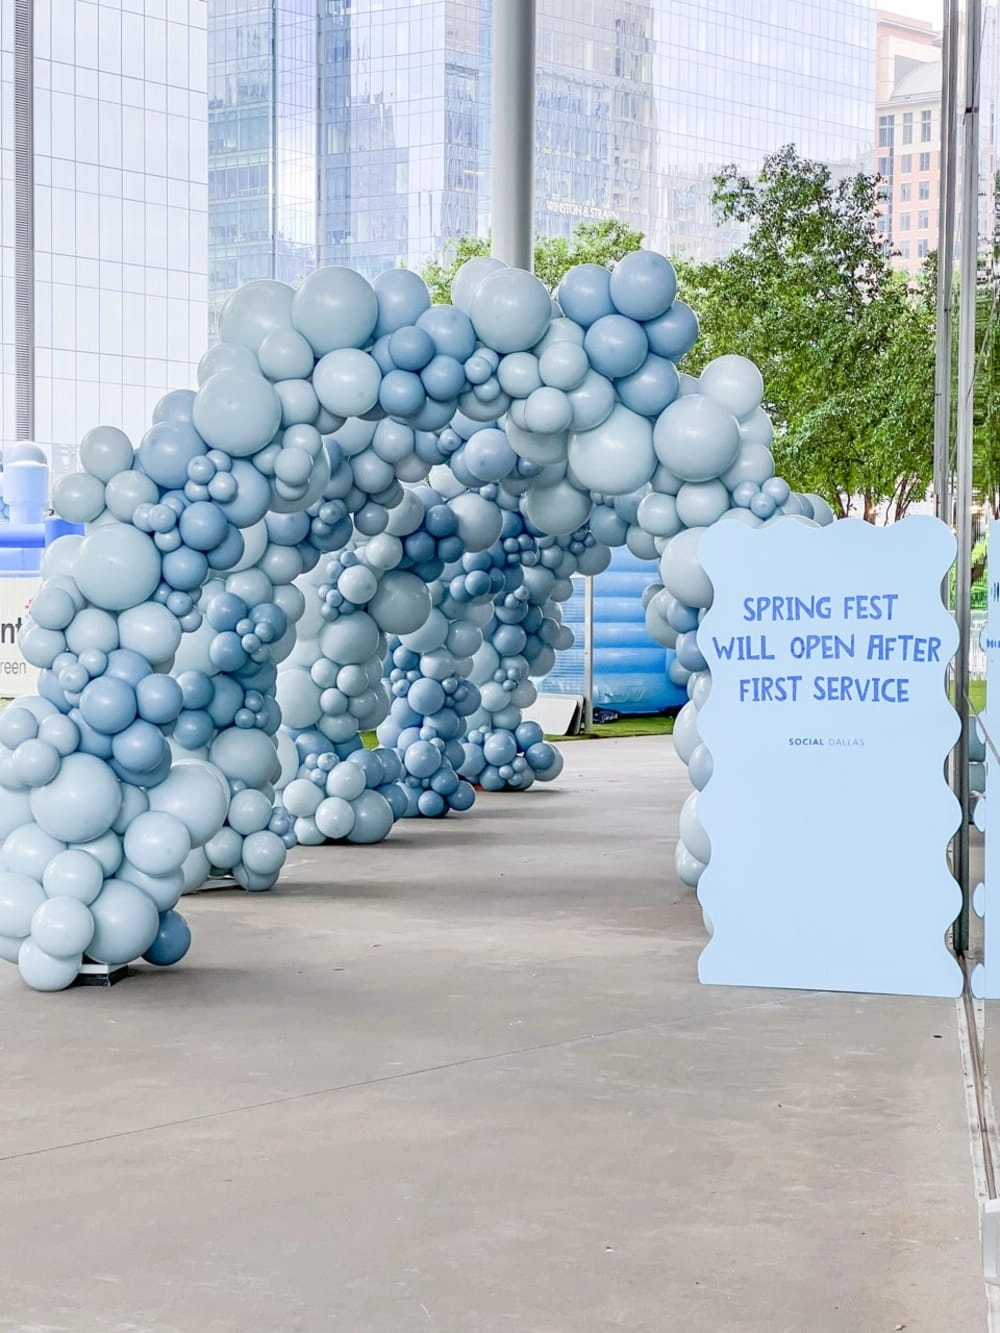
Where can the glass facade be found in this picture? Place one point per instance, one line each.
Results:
(370, 120)
(120, 212)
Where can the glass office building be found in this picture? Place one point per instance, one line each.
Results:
(358, 131)
(104, 274)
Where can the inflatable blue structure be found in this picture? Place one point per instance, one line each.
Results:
(631, 670)
(25, 531)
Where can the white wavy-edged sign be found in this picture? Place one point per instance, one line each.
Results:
(828, 724)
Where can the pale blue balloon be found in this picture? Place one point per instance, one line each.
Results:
(402, 298)
(236, 413)
(616, 346)
(20, 898)
(62, 927)
(117, 567)
(373, 818)
(335, 308)
(73, 874)
(643, 285)
(105, 450)
(28, 850)
(651, 388)
(263, 853)
(126, 922)
(81, 802)
(251, 313)
(584, 294)
(41, 971)
(510, 310)
(673, 333)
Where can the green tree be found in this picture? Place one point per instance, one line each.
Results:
(845, 346)
(590, 243)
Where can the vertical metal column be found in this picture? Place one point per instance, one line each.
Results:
(24, 220)
(588, 653)
(968, 263)
(946, 251)
(513, 172)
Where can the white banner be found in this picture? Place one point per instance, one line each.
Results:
(17, 677)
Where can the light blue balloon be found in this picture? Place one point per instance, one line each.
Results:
(36, 762)
(126, 923)
(80, 803)
(584, 294)
(236, 413)
(402, 298)
(373, 818)
(651, 388)
(108, 704)
(73, 874)
(451, 330)
(62, 927)
(673, 333)
(159, 699)
(443, 378)
(643, 285)
(335, 308)
(20, 898)
(117, 567)
(616, 346)
(140, 748)
(41, 971)
(263, 853)
(488, 455)
(164, 454)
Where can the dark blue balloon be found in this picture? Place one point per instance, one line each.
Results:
(173, 939)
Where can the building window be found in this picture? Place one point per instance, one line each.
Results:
(904, 222)
(923, 220)
(907, 127)
(925, 161)
(905, 191)
(925, 127)
(924, 190)
(885, 166)
(906, 163)
(922, 249)
(885, 131)
(904, 250)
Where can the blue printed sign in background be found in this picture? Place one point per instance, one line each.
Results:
(828, 724)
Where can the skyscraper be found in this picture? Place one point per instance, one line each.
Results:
(103, 213)
(378, 152)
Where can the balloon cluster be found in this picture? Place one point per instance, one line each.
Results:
(362, 486)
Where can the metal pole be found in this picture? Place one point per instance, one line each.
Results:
(24, 220)
(588, 654)
(513, 172)
(968, 260)
(945, 261)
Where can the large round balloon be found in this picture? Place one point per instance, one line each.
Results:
(117, 567)
(195, 793)
(616, 457)
(81, 802)
(334, 308)
(236, 413)
(696, 438)
(510, 310)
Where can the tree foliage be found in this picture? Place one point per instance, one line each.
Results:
(590, 243)
(845, 346)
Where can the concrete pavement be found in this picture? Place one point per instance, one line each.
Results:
(467, 1082)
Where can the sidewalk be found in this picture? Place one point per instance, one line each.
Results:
(466, 1082)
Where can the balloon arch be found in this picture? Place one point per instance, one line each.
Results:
(365, 517)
